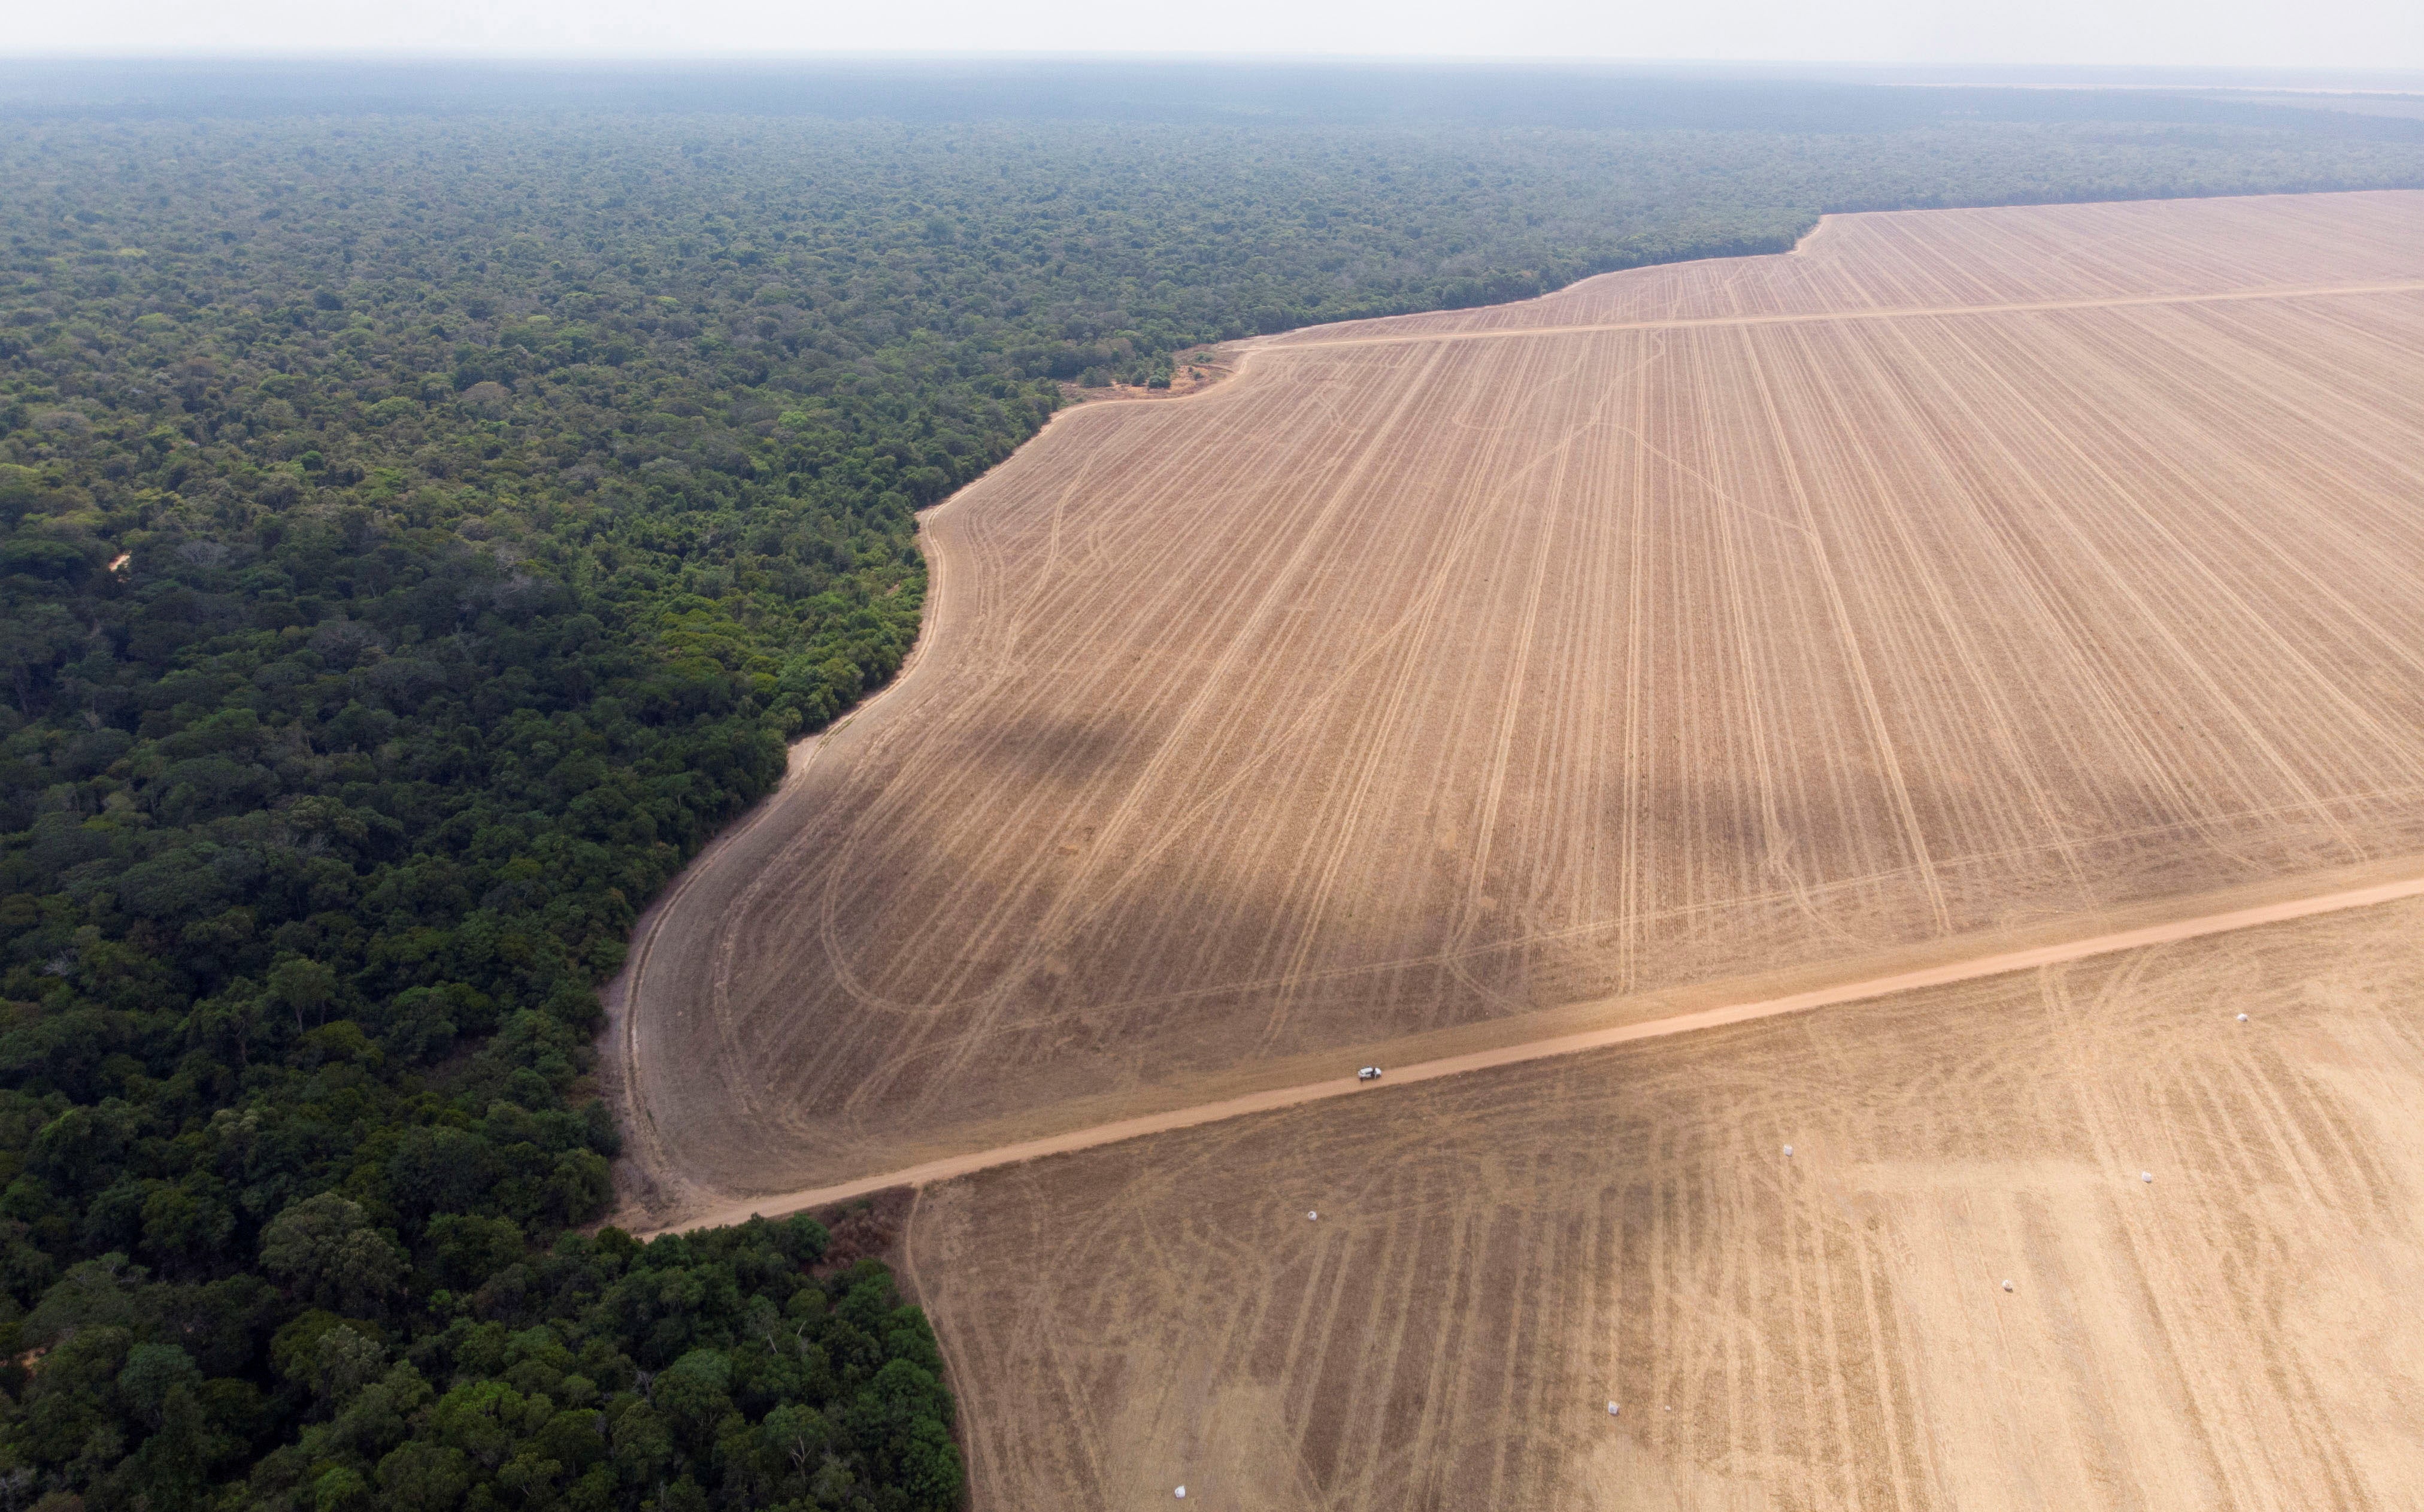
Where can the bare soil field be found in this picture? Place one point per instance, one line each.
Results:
(1961, 572)
(1498, 1256)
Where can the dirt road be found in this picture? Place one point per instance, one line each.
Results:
(2410, 883)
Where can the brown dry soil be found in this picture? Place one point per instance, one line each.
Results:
(1962, 573)
(1498, 1256)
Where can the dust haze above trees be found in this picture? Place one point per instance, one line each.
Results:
(420, 533)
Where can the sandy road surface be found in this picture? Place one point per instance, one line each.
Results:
(1399, 691)
(2407, 882)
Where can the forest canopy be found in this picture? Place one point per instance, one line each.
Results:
(420, 533)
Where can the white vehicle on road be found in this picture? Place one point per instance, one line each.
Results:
(1368, 1073)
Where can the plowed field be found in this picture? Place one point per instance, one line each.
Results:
(1959, 573)
(1498, 1256)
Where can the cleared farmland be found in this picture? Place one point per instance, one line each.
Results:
(1496, 1257)
(1961, 572)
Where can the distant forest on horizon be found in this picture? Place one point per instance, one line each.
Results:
(431, 496)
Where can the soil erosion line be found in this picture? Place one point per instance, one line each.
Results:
(1944, 974)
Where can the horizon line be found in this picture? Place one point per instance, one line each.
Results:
(664, 61)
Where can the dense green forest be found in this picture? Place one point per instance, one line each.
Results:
(419, 534)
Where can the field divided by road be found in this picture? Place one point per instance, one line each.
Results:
(1497, 1257)
(1404, 684)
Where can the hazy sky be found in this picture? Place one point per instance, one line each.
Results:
(2363, 34)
